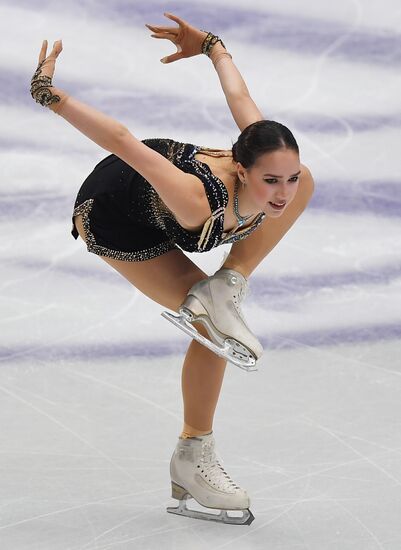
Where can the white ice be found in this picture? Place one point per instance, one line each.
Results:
(91, 403)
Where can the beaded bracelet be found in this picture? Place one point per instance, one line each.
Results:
(209, 42)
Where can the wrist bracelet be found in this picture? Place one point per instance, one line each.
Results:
(40, 87)
(209, 42)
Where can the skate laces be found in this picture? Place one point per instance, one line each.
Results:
(242, 291)
(213, 471)
(242, 286)
(233, 277)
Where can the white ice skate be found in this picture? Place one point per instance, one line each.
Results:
(215, 302)
(197, 473)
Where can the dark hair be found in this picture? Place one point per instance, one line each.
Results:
(262, 136)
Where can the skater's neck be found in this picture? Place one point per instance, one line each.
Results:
(238, 186)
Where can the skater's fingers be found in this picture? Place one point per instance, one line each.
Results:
(42, 54)
(181, 22)
(169, 36)
(158, 28)
(57, 48)
(172, 58)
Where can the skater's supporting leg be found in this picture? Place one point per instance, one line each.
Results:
(201, 379)
(245, 255)
(166, 279)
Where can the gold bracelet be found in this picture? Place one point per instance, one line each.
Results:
(209, 42)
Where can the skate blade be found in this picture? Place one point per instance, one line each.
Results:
(223, 517)
(240, 359)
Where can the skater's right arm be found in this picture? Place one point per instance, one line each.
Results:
(183, 193)
(100, 128)
(243, 108)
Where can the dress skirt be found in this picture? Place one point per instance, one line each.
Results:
(114, 201)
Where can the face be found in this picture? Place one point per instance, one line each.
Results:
(263, 188)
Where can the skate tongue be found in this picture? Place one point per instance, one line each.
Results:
(235, 277)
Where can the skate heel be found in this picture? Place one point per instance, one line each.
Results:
(178, 492)
(192, 308)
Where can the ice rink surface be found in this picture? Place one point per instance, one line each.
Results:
(91, 403)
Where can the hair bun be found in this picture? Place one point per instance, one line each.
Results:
(261, 137)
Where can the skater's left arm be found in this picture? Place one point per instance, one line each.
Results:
(242, 106)
(189, 41)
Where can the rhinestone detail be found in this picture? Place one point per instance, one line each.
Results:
(92, 246)
(152, 210)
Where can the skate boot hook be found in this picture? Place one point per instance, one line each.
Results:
(215, 302)
(196, 472)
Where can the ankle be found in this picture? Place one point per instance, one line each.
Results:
(238, 268)
(190, 431)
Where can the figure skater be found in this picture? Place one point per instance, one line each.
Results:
(150, 199)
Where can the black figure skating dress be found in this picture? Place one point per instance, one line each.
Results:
(124, 217)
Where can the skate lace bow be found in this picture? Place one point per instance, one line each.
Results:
(213, 471)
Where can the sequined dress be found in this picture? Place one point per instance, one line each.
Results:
(124, 217)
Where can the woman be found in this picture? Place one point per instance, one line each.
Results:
(150, 198)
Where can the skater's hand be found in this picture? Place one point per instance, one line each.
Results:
(188, 39)
(42, 78)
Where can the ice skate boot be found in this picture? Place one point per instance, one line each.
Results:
(215, 302)
(197, 473)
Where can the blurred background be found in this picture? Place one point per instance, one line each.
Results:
(91, 404)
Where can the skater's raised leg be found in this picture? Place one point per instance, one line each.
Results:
(216, 303)
(217, 299)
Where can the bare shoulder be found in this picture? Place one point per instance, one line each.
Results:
(305, 172)
(306, 182)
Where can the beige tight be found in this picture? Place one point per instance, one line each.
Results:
(166, 279)
(201, 381)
